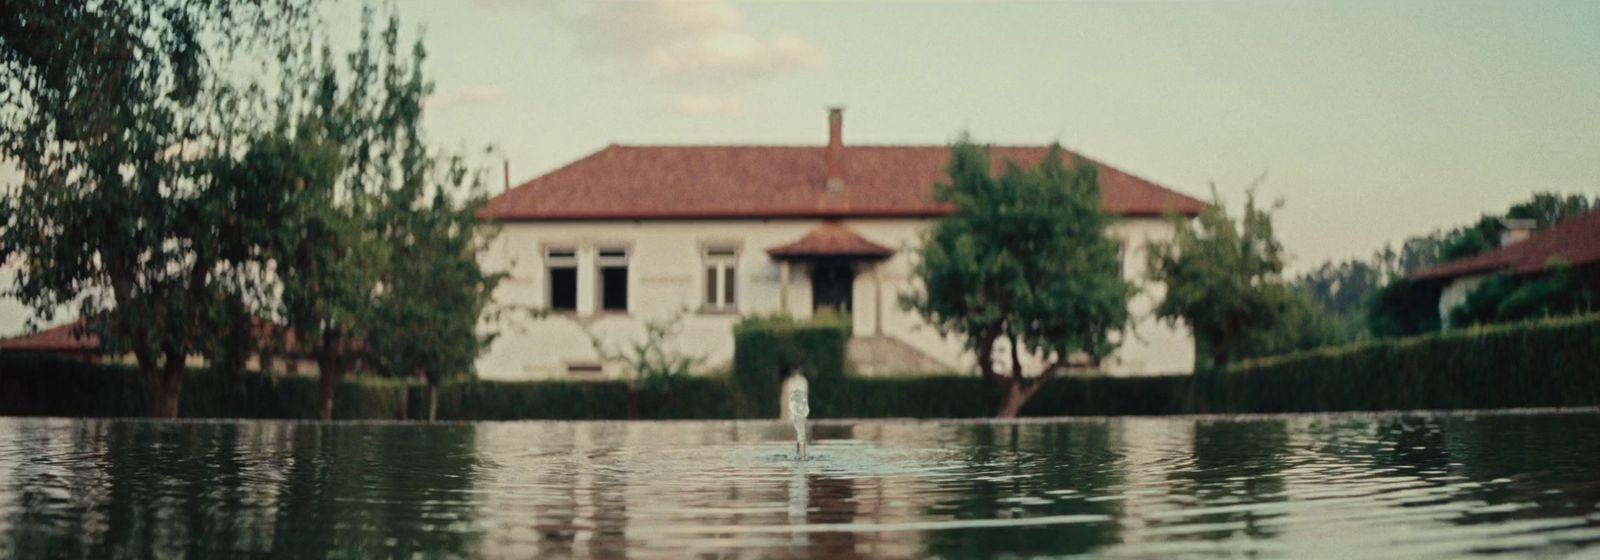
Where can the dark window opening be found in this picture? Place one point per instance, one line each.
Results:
(711, 286)
(614, 288)
(564, 288)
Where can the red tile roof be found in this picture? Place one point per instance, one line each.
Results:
(831, 240)
(1575, 241)
(59, 338)
(639, 182)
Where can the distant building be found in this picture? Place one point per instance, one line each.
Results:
(631, 233)
(1523, 252)
(68, 342)
(60, 340)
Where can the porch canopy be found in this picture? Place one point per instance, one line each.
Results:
(830, 241)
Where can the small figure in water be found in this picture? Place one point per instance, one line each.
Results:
(799, 409)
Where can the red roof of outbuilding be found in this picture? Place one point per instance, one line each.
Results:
(59, 338)
(831, 240)
(663, 182)
(1575, 241)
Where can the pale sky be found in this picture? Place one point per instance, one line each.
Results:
(1372, 121)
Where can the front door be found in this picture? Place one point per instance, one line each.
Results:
(831, 285)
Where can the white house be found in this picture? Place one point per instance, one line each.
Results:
(631, 233)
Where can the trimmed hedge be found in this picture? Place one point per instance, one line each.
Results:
(686, 398)
(1554, 362)
(45, 385)
(766, 347)
(1549, 362)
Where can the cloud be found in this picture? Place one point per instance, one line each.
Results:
(708, 105)
(690, 38)
(470, 96)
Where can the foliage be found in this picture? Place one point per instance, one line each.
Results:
(691, 398)
(1503, 298)
(1223, 279)
(1302, 324)
(1024, 260)
(765, 348)
(1404, 308)
(124, 128)
(1547, 208)
(1341, 293)
(1550, 362)
(378, 264)
(655, 363)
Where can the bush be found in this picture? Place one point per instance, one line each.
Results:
(686, 398)
(1550, 362)
(1553, 362)
(766, 347)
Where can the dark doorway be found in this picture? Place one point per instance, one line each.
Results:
(831, 286)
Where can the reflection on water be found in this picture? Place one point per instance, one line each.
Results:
(1359, 486)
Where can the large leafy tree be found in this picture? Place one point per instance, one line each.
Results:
(1022, 266)
(378, 267)
(1223, 279)
(125, 132)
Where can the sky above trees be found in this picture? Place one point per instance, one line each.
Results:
(1372, 120)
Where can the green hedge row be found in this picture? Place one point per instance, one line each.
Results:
(44, 385)
(1549, 362)
(1552, 362)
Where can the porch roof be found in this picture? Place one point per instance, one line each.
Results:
(830, 240)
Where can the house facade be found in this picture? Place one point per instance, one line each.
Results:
(631, 234)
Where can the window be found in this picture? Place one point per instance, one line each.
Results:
(562, 265)
(721, 279)
(613, 264)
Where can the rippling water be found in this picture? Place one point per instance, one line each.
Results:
(1292, 486)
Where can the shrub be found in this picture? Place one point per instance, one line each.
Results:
(1552, 362)
(766, 347)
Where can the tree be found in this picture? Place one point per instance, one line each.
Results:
(1023, 260)
(1403, 307)
(1342, 291)
(1548, 208)
(378, 264)
(124, 130)
(1223, 279)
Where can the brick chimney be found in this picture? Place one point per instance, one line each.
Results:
(835, 149)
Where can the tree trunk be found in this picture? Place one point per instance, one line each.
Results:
(166, 388)
(633, 403)
(1011, 403)
(433, 403)
(330, 387)
(330, 366)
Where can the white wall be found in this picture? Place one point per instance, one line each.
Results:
(666, 274)
(1455, 294)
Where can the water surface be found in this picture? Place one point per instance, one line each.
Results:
(1398, 486)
